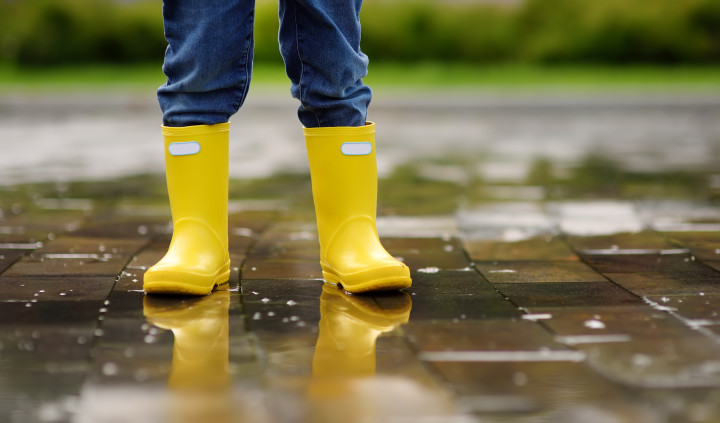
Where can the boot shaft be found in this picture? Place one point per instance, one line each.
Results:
(343, 169)
(196, 164)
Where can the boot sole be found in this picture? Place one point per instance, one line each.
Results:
(179, 284)
(389, 283)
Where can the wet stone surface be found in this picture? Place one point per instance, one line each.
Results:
(552, 281)
(621, 326)
(524, 272)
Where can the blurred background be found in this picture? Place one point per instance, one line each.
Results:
(41, 33)
(474, 99)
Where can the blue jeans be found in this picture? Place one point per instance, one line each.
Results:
(208, 61)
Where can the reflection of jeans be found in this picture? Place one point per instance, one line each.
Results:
(208, 61)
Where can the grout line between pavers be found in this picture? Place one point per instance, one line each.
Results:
(651, 304)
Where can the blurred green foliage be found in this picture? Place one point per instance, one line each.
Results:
(57, 32)
(52, 32)
(544, 31)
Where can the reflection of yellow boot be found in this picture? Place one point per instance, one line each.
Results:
(199, 376)
(344, 183)
(200, 350)
(348, 330)
(196, 163)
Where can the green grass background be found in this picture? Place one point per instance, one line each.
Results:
(387, 77)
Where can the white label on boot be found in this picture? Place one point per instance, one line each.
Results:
(184, 148)
(356, 148)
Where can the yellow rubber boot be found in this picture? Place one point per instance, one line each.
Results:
(196, 165)
(343, 169)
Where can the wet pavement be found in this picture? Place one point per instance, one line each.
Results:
(559, 284)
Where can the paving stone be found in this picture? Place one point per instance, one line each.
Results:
(80, 245)
(535, 389)
(276, 291)
(282, 319)
(697, 306)
(281, 269)
(541, 272)
(458, 308)
(282, 305)
(256, 221)
(148, 256)
(679, 362)
(297, 251)
(34, 344)
(713, 329)
(300, 245)
(22, 240)
(240, 244)
(77, 257)
(568, 392)
(618, 243)
(122, 335)
(456, 295)
(31, 392)
(536, 297)
(632, 263)
(396, 358)
(49, 289)
(130, 279)
(435, 245)
(669, 283)
(579, 325)
(715, 264)
(41, 312)
(126, 303)
(704, 250)
(480, 336)
(447, 255)
(455, 260)
(534, 249)
(688, 237)
(120, 226)
(39, 227)
(88, 265)
(434, 282)
(8, 257)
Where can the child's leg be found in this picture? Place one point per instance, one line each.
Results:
(320, 42)
(208, 65)
(208, 61)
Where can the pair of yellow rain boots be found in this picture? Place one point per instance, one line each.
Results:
(343, 169)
